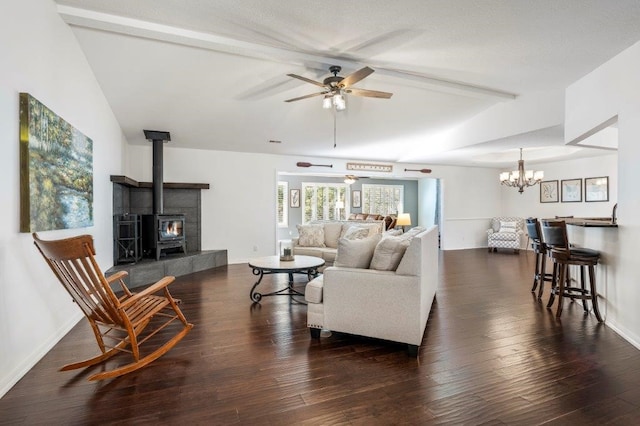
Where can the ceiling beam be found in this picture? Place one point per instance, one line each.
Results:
(138, 28)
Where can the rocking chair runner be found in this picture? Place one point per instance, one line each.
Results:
(120, 319)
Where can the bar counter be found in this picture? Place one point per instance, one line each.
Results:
(599, 234)
(591, 222)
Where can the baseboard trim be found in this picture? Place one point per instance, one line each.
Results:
(8, 381)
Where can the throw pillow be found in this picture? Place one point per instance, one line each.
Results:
(311, 235)
(356, 233)
(356, 253)
(332, 231)
(388, 253)
(374, 228)
(508, 226)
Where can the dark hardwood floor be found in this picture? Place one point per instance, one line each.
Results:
(491, 354)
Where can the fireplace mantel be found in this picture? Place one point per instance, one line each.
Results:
(130, 183)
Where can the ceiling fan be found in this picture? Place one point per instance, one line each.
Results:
(349, 179)
(335, 87)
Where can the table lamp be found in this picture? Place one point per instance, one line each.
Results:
(404, 219)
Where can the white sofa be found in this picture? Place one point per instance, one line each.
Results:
(332, 231)
(390, 305)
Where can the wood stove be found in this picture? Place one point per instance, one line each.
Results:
(162, 232)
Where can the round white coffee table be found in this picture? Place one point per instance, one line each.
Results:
(262, 266)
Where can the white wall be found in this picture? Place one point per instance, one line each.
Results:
(528, 203)
(470, 198)
(40, 55)
(613, 89)
(238, 212)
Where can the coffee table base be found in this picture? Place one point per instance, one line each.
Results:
(289, 290)
(306, 265)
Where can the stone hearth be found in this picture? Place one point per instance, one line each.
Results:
(148, 271)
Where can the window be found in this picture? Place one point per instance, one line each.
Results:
(382, 199)
(319, 201)
(283, 208)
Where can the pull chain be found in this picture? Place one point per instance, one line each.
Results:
(334, 128)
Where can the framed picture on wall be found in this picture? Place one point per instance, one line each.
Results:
(356, 201)
(596, 189)
(571, 190)
(549, 191)
(294, 198)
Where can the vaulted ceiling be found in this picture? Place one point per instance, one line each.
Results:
(214, 73)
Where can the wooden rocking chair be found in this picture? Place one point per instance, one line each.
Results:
(118, 319)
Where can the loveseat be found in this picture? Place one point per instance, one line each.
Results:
(391, 304)
(320, 238)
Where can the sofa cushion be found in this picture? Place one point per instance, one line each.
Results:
(313, 290)
(309, 251)
(388, 253)
(332, 231)
(411, 262)
(311, 235)
(329, 255)
(356, 253)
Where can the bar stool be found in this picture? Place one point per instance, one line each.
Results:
(555, 237)
(540, 274)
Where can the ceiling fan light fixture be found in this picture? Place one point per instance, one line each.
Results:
(327, 102)
(339, 102)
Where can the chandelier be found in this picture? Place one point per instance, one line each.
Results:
(521, 178)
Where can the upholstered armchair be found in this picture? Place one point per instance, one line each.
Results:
(505, 232)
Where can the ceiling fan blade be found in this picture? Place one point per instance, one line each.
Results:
(369, 93)
(306, 96)
(355, 77)
(299, 77)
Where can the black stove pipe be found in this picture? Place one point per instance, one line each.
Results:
(158, 138)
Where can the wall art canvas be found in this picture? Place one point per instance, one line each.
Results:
(294, 198)
(356, 200)
(549, 191)
(571, 190)
(56, 171)
(596, 189)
